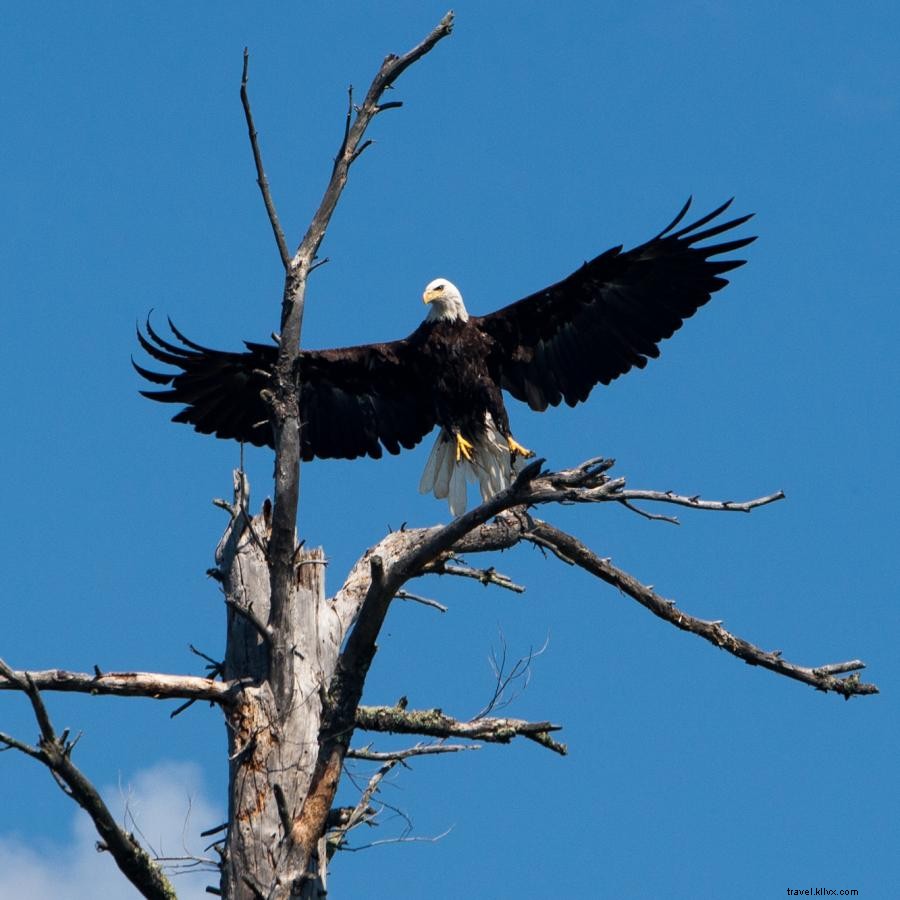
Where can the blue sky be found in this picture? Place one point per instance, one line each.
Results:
(535, 137)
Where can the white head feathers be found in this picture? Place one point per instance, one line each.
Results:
(444, 301)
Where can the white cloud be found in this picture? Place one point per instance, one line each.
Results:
(164, 805)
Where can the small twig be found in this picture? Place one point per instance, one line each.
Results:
(214, 663)
(425, 601)
(542, 544)
(399, 840)
(521, 671)
(261, 179)
(485, 576)
(37, 704)
(178, 865)
(347, 122)
(361, 810)
(215, 667)
(360, 150)
(399, 755)
(13, 744)
(654, 517)
(180, 709)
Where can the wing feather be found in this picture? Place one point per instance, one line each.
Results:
(610, 315)
(355, 401)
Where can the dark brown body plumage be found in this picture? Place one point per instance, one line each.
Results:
(459, 358)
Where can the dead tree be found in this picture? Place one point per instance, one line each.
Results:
(296, 661)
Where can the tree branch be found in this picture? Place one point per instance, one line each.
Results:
(695, 502)
(434, 723)
(486, 576)
(400, 556)
(416, 551)
(55, 753)
(821, 677)
(505, 678)
(261, 179)
(391, 69)
(365, 753)
(398, 840)
(425, 601)
(374, 582)
(626, 498)
(362, 810)
(155, 685)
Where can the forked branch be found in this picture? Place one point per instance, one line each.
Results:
(55, 752)
(414, 552)
(362, 811)
(352, 145)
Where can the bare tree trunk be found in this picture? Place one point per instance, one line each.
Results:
(272, 745)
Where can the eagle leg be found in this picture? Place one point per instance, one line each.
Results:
(463, 448)
(515, 447)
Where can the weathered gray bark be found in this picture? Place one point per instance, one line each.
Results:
(272, 744)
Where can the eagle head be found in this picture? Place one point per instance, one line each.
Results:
(444, 300)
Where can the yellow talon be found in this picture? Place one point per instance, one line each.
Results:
(463, 448)
(515, 447)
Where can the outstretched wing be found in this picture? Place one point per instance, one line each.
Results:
(610, 314)
(354, 400)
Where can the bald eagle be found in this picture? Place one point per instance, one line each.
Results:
(556, 344)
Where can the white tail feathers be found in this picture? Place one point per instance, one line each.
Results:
(490, 467)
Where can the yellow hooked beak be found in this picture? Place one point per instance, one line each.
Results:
(428, 296)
